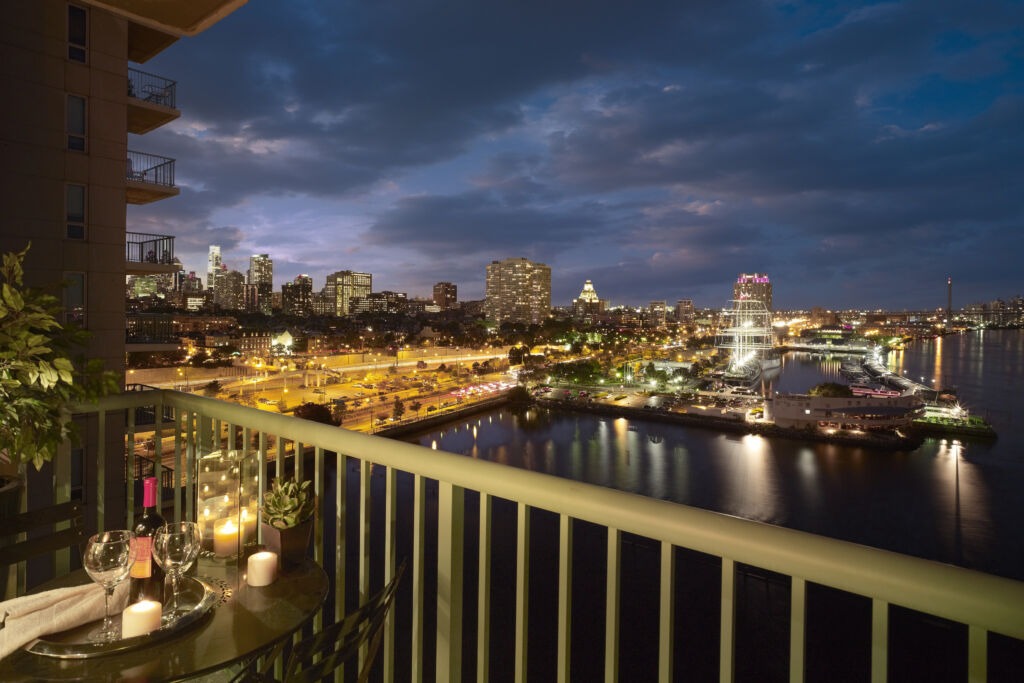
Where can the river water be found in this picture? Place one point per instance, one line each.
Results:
(954, 500)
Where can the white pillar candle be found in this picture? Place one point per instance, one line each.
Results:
(140, 618)
(262, 569)
(225, 538)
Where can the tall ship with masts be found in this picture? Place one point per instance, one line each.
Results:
(747, 337)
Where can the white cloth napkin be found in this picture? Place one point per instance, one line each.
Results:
(24, 619)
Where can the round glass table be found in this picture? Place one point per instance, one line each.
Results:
(245, 622)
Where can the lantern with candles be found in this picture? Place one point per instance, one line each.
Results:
(227, 501)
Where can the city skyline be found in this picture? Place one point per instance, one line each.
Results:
(869, 149)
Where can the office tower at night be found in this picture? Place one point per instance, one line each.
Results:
(445, 295)
(517, 290)
(230, 292)
(756, 287)
(657, 314)
(684, 311)
(345, 285)
(214, 266)
(297, 296)
(261, 275)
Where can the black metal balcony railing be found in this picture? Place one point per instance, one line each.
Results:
(144, 248)
(150, 168)
(152, 88)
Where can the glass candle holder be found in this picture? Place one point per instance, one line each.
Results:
(227, 500)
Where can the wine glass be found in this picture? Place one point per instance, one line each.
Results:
(175, 547)
(108, 559)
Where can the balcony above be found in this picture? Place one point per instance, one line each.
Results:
(151, 101)
(149, 178)
(149, 254)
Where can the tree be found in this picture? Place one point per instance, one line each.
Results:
(339, 410)
(398, 410)
(314, 412)
(831, 390)
(212, 388)
(415, 407)
(40, 379)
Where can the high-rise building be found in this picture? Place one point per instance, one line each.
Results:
(230, 291)
(657, 313)
(213, 266)
(344, 286)
(297, 296)
(445, 295)
(757, 287)
(684, 311)
(517, 290)
(587, 306)
(261, 274)
(71, 95)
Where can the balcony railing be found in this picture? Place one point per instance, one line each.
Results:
(407, 494)
(152, 88)
(144, 248)
(150, 168)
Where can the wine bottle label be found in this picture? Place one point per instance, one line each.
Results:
(142, 568)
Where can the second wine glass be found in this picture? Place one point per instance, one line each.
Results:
(175, 547)
(107, 560)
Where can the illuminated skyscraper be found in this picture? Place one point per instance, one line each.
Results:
(518, 290)
(344, 286)
(756, 287)
(587, 306)
(297, 296)
(261, 274)
(445, 295)
(684, 311)
(213, 267)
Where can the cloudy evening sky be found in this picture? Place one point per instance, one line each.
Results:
(858, 153)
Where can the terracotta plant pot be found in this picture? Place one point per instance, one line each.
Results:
(291, 544)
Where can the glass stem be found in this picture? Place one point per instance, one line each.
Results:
(108, 623)
(174, 591)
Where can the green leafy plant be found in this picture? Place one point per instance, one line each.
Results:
(288, 503)
(41, 378)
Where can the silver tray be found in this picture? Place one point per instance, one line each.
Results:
(196, 595)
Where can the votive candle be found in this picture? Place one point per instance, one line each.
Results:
(225, 538)
(261, 569)
(140, 618)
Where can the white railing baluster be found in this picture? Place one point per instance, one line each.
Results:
(977, 654)
(879, 641)
(450, 523)
(522, 590)
(564, 597)
(611, 613)
(390, 563)
(419, 515)
(727, 643)
(364, 531)
(665, 618)
(797, 629)
(483, 621)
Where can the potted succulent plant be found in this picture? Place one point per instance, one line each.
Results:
(287, 522)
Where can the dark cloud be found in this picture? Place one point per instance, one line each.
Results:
(658, 149)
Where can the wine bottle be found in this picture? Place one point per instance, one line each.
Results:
(146, 578)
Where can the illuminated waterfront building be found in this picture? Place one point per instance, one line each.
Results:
(517, 290)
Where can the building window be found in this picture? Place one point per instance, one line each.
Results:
(75, 202)
(77, 32)
(76, 123)
(74, 298)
